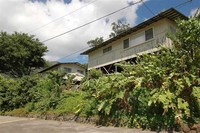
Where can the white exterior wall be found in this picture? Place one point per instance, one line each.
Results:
(98, 59)
(73, 67)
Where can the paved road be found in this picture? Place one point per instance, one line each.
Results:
(30, 125)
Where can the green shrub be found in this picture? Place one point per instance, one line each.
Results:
(37, 95)
(69, 102)
(95, 73)
(16, 93)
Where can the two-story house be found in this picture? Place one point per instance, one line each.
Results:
(73, 68)
(143, 38)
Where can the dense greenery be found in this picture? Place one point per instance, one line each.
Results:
(37, 94)
(20, 54)
(23, 93)
(161, 91)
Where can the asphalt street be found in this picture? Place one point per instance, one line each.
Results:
(32, 125)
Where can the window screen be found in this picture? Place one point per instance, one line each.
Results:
(126, 43)
(105, 50)
(148, 34)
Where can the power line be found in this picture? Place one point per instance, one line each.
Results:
(128, 6)
(177, 6)
(181, 4)
(91, 22)
(40, 27)
(73, 53)
(88, 47)
(78, 51)
(148, 8)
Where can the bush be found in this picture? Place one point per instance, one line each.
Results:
(16, 93)
(37, 95)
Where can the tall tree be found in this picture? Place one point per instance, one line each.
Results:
(20, 54)
(95, 42)
(118, 28)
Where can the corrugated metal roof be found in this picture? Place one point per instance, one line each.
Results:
(170, 14)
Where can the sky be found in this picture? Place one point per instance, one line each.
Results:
(48, 18)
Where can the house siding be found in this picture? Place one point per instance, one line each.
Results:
(98, 59)
(73, 67)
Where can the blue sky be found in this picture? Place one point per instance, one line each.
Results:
(158, 5)
(83, 59)
(27, 15)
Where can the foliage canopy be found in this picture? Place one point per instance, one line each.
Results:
(95, 42)
(20, 54)
(118, 28)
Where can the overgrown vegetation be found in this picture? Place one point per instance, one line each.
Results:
(161, 91)
(39, 95)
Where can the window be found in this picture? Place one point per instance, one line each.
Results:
(105, 50)
(148, 34)
(68, 70)
(173, 30)
(80, 71)
(137, 39)
(126, 43)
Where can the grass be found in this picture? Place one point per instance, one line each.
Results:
(70, 102)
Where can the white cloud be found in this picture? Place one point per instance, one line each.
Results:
(193, 11)
(25, 16)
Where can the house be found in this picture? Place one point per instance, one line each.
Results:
(143, 38)
(73, 68)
